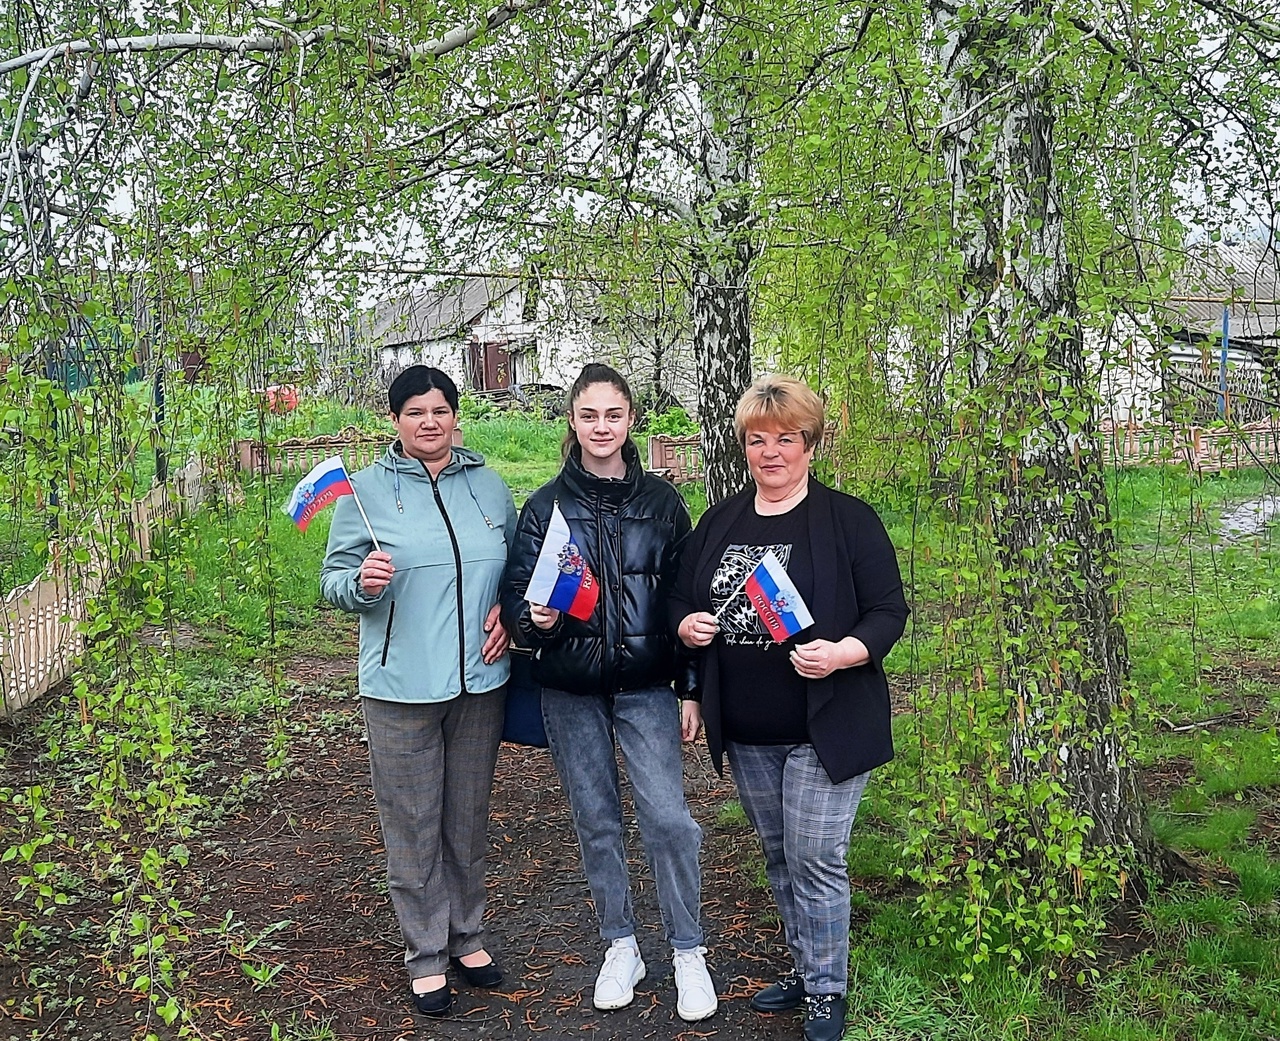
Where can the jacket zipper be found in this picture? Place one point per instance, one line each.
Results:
(611, 652)
(386, 639)
(457, 564)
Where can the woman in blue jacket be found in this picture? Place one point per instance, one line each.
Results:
(433, 671)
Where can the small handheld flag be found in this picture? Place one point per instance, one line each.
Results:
(326, 483)
(776, 599)
(561, 577)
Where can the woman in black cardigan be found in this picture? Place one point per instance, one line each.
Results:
(803, 719)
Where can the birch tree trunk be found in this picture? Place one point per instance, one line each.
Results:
(722, 255)
(1065, 658)
(722, 338)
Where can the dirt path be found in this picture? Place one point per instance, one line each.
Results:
(295, 879)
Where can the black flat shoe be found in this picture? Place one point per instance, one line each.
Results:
(433, 1002)
(487, 976)
(824, 1019)
(783, 996)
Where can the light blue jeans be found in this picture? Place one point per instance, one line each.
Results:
(584, 732)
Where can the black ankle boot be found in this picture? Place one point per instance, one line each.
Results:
(824, 1019)
(783, 996)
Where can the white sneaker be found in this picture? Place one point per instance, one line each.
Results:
(696, 994)
(623, 968)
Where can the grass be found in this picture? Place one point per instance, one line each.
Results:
(300, 1029)
(1203, 618)
(214, 683)
(1204, 622)
(523, 450)
(230, 586)
(21, 553)
(315, 417)
(1232, 762)
(1216, 830)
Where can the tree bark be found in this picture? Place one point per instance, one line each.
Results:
(722, 333)
(1065, 657)
(722, 254)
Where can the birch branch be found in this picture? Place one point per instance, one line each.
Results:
(381, 45)
(996, 95)
(11, 173)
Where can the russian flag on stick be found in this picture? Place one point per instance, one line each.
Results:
(776, 599)
(326, 483)
(561, 577)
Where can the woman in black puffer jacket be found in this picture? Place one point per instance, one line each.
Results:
(607, 676)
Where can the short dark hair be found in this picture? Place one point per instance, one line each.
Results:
(420, 379)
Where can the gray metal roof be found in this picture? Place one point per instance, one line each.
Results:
(421, 315)
(1247, 274)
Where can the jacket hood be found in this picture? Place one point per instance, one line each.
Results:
(394, 459)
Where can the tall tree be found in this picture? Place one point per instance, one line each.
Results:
(1051, 238)
(722, 245)
(1034, 403)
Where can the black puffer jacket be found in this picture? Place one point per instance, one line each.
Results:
(631, 532)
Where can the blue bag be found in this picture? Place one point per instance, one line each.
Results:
(523, 722)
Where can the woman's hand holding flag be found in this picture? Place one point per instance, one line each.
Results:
(561, 580)
(543, 617)
(698, 629)
(375, 573)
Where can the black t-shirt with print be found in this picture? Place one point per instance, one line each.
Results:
(763, 698)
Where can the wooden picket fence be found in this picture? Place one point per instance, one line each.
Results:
(357, 448)
(1204, 449)
(679, 459)
(298, 455)
(40, 637)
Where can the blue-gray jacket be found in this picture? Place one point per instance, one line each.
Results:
(421, 637)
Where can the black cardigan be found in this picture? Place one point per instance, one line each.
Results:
(857, 591)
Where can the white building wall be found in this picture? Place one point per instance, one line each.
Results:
(508, 310)
(1126, 362)
(563, 349)
(1131, 369)
(447, 355)
(566, 340)
(554, 346)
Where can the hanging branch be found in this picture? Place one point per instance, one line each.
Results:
(283, 41)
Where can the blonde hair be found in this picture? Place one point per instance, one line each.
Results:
(782, 402)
